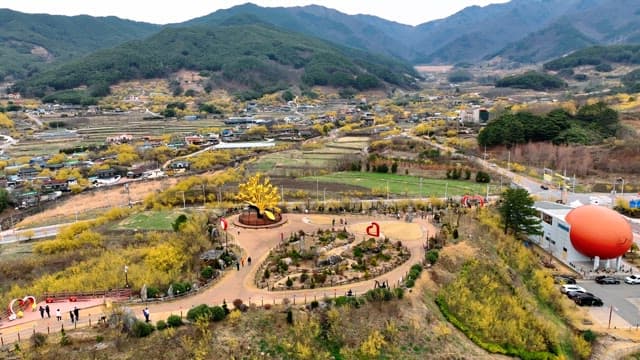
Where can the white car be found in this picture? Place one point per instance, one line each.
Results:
(571, 287)
(632, 279)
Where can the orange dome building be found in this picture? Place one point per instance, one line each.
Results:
(580, 237)
(599, 231)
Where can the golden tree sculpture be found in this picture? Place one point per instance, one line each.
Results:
(258, 192)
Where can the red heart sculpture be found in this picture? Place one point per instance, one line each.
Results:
(373, 229)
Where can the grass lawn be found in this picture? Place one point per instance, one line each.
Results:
(150, 220)
(404, 184)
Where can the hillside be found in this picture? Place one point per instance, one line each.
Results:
(363, 32)
(29, 41)
(253, 58)
(557, 39)
(596, 55)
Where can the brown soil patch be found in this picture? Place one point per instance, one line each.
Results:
(461, 250)
(101, 199)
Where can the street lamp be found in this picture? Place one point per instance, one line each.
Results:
(126, 276)
(621, 181)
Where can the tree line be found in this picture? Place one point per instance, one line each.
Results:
(590, 125)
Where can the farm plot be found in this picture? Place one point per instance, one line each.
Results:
(405, 185)
(149, 220)
(311, 162)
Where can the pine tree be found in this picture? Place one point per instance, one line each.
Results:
(518, 214)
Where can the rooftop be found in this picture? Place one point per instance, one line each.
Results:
(554, 209)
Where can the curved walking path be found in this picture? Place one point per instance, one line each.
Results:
(256, 243)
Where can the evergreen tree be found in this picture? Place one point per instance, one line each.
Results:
(518, 214)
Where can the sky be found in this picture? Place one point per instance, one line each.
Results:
(410, 12)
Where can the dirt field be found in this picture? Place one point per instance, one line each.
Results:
(100, 199)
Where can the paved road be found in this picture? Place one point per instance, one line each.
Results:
(13, 235)
(623, 298)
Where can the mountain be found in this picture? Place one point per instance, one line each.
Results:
(29, 41)
(585, 23)
(474, 32)
(557, 39)
(363, 32)
(254, 58)
(520, 30)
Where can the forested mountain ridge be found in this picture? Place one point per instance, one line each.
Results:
(257, 58)
(30, 41)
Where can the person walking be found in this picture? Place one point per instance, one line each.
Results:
(238, 265)
(48, 311)
(145, 312)
(71, 316)
(76, 312)
(58, 315)
(249, 260)
(41, 312)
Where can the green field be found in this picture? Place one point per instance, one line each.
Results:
(404, 184)
(150, 220)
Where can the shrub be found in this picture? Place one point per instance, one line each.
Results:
(218, 313)
(237, 303)
(181, 287)
(225, 307)
(38, 339)
(200, 311)
(64, 339)
(289, 282)
(399, 292)
(589, 335)
(207, 272)
(432, 256)
(267, 306)
(153, 292)
(348, 300)
(289, 316)
(409, 283)
(142, 329)
(174, 321)
(161, 325)
(266, 274)
(315, 304)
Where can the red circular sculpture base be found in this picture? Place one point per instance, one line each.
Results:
(251, 219)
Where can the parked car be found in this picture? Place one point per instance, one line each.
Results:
(632, 279)
(575, 294)
(564, 279)
(571, 287)
(605, 280)
(588, 301)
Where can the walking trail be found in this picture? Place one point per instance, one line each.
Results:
(234, 284)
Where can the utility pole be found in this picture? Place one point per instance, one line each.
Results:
(387, 190)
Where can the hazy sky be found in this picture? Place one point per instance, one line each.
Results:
(410, 12)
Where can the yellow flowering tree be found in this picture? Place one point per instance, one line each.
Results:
(259, 192)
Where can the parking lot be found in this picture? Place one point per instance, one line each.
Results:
(624, 298)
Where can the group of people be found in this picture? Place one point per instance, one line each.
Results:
(241, 262)
(342, 222)
(74, 313)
